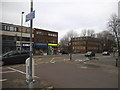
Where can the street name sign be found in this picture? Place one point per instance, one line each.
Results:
(30, 16)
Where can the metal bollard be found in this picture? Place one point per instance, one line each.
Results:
(117, 62)
(27, 68)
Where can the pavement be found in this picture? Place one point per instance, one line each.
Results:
(45, 80)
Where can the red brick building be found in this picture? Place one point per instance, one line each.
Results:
(84, 44)
(45, 41)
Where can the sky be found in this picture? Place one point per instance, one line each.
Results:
(61, 15)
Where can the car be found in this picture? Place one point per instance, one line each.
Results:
(89, 54)
(105, 53)
(64, 52)
(14, 57)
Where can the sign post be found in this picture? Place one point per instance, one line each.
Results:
(30, 16)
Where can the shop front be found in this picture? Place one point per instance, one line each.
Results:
(40, 48)
(25, 45)
(52, 49)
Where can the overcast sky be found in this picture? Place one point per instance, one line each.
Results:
(61, 15)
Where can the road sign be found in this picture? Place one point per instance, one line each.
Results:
(30, 16)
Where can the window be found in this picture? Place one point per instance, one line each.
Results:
(4, 27)
(41, 33)
(16, 29)
(12, 28)
(10, 38)
(4, 37)
(52, 35)
(8, 27)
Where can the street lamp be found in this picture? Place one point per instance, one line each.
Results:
(21, 31)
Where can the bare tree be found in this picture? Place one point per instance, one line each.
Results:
(65, 42)
(107, 40)
(84, 32)
(92, 33)
(113, 26)
(88, 32)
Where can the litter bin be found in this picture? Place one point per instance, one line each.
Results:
(118, 62)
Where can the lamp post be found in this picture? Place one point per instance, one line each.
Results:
(21, 31)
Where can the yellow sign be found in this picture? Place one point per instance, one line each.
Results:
(52, 44)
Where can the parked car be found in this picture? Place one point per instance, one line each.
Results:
(90, 54)
(64, 52)
(105, 53)
(14, 57)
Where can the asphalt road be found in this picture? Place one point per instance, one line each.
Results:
(60, 72)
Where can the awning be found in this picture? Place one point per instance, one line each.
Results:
(40, 45)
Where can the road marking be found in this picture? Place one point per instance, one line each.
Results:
(20, 71)
(16, 70)
(7, 72)
(1, 80)
(17, 65)
(52, 60)
(83, 67)
(78, 60)
(66, 59)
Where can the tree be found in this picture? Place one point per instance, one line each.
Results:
(107, 40)
(65, 42)
(84, 32)
(88, 32)
(113, 26)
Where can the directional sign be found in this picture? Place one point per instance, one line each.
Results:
(30, 16)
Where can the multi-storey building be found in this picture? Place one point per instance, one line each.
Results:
(84, 44)
(45, 41)
(14, 37)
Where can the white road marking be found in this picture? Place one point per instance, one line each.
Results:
(66, 59)
(83, 67)
(52, 59)
(16, 70)
(20, 71)
(7, 72)
(78, 60)
(1, 80)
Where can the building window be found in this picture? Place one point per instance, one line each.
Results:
(41, 33)
(4, 27)
(8, 28)
(16, 29)
(52, 35)
(11, 28)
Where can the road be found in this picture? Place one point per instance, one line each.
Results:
(60, 72)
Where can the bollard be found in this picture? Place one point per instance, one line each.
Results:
(27, 69)
(117, 62)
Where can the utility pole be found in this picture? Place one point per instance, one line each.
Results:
(21, 31)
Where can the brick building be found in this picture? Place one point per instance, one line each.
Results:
(45, 41)
(14, 37)
(84, 44)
